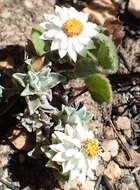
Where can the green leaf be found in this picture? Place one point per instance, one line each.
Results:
(106, 53)
(84, 67)
(41, 46)
(51, 164)
(33, 103)
(99, 88)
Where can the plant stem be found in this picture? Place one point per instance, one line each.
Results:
(71, 100)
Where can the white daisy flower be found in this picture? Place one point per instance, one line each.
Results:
(69, 31)
(77, 152)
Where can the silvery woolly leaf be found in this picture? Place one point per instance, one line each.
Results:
(33, 103)
(73, 116)
(28, 91)
(21, 78)
(66, 112)
(1, 91)
(46, 105)
(31, 122)
(59, 126)
(84, 114)
(37, 83)
(34, 80)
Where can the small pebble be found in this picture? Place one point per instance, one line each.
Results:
(124, 124)
(127, 179)
(111, 146)
(113, 171)
(134, 8)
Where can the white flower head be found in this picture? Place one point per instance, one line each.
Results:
(77, 152)
(69, 31)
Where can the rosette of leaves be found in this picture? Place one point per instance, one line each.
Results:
(36, 85)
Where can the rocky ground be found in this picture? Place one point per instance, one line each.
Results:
(117, 125)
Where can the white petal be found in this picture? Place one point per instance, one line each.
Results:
(81, 162)
(83, 17)
(58, 9)
(83, 52)
(59, 157)
(54, 19)
(72, 53)
(74, 174)
(71, 152)
(48, 35)
(44, 25)
(90, 135)
(89, 30)
(81, 132)
(75, 142)
(62, 53)
(93, 163)
(64, 44)
(82, 177)
(77, 45)
(90, 174)
(62, 13)
(78, 155)
(83, 39)
(58, 147)
(61, 136)
(61, 35)
(49, 16)
(90, 45)
(67, 166)
(72, 12)
(66, 139)
(69, 130)
(55, 45)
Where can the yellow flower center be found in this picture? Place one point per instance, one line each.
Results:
(72, 27)
(90, 148)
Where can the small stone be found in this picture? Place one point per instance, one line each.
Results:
(106, 156)
(100, 10)
(5, 13)
(22, 139)
(122, 160)
(74, 184)
(113, 171)
(28, 4)
(7, 64)
(134, 8)
(111, 146)
(124, 124)
(100, 170)
(109, 133)
(88, 185)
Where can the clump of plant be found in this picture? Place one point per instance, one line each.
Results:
(66, 46)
